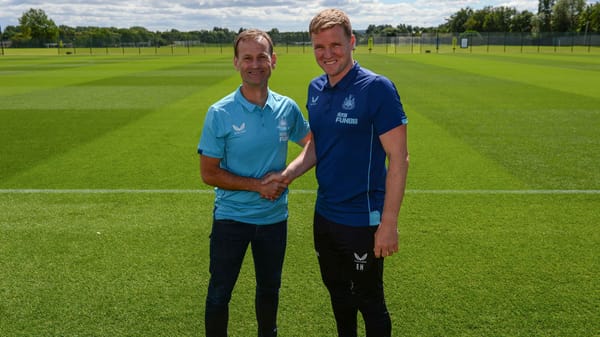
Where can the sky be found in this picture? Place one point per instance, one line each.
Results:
(286, 16)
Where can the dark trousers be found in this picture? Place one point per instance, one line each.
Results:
(229, 241)
(353, 277)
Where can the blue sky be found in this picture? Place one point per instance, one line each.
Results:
(286, 15)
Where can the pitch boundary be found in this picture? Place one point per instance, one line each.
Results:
(292, 191)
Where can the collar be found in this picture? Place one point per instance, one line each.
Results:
(251, 106)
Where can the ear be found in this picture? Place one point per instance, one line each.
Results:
(235, 63)
(273, 60)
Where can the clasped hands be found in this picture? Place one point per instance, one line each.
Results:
(272, 185)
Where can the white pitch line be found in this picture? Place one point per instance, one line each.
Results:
(504, 191)
(292, 191)
(103, 191)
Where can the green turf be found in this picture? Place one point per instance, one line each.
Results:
(475, 258)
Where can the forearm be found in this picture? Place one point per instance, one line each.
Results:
(394, 189)
(213, 175)
(226, 180)
(304, 162)
(386, 237)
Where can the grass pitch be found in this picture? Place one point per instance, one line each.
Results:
(104, 220)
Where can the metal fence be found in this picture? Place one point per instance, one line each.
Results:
(402, 44)
(485, 43)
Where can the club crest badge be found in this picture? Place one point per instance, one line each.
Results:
(348, 103)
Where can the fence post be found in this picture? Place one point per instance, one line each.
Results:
(387, 45)
(521, 36)
(587, 24)
(1, 41)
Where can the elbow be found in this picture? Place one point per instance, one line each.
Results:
(209, 170)
(208, 179)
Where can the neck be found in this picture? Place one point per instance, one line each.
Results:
(334, 80)
(255, 95)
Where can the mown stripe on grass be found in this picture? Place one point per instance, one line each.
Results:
(301, 191)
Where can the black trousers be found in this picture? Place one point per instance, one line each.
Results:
(353, 277)
(229, 241)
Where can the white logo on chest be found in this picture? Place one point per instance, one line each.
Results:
(239, 129)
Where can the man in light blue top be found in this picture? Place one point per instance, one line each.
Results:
(245, 137)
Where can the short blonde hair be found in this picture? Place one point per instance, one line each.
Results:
(252, 34)
(329, 18)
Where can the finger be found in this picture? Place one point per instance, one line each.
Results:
(377, 252)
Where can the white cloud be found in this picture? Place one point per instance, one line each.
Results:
(186, 15)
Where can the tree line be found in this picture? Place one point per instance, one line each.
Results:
(36, 29)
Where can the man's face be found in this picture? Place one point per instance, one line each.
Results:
(333, 52)
(254, 62)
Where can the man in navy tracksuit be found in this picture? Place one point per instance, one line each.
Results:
(358, 122)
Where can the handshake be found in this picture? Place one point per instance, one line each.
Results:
(272, 185)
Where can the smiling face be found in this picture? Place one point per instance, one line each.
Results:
(333, 52)
(254, 61)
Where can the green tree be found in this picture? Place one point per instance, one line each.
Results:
(37, 27)
(522, 22)
(275, 35)
(9, 32)
(477, 19)
(566, 15)
(589, 21)
(545, 15)
(457, 21)
(66, 34)
(499, 19)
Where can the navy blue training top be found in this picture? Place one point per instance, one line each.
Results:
(346, 121)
